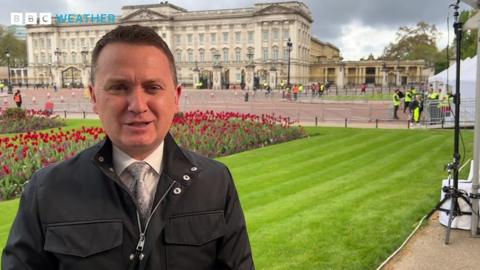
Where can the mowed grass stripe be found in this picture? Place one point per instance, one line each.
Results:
(315, 149)
(278, 153)
(294, 164)
(307, 174)
(311, 249)
(299, 196)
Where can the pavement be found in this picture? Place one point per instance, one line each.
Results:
(427, 250)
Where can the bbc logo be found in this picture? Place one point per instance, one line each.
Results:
(30, 18)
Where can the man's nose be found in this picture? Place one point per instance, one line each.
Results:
(137, 101)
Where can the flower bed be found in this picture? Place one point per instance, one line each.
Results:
(224, 133)
(208, 133)
(16, 120)
(23, 154)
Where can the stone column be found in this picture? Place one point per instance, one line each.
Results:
(384, 78)
(273, 78)
(341, 76)
(85, 77)
(249, 77)
(196, 77)
(57, 76)
(217, 77)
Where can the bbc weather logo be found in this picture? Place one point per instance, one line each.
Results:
(30, 18)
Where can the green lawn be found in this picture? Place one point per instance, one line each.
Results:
(340, 199)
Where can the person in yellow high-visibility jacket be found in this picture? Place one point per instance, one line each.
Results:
(407, 100)
(396, 103)
(416, 108)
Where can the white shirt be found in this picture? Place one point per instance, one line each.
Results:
(122, 160)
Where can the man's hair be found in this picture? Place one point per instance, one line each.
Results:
(137, 35)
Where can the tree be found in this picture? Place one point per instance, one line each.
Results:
(419, 42)
(468, 44)
(16, 47)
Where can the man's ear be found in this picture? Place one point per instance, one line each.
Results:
(178, 92)
(93, 98)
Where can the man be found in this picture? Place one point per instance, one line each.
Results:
(136, 200)
(17, 97)
(396, 103)
(416, 108)
(363, 89)
(408, 99)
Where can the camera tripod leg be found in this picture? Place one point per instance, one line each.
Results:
(451, 216)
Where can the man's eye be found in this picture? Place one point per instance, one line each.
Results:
(118, 87)
(154, 88)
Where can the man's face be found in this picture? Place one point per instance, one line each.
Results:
(135, 97)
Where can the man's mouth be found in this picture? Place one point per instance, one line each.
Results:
(138, 124)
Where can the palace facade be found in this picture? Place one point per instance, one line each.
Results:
(240, 47)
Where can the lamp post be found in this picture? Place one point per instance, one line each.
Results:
(289, 49)
(9, 83)
(50, 73)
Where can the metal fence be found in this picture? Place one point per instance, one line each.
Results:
(437, 113)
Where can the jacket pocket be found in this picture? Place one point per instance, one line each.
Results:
(195, 229)
(83, 239)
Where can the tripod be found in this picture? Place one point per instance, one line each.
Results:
(452, 192)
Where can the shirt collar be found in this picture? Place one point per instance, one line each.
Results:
(122, 160)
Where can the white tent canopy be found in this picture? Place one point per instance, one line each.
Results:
(468, 78)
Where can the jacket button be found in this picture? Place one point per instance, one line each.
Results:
(177, 191)
(140, 257)
(111, 169)
(131, 257)
(186, 177)
(100, 158)
(193, 169)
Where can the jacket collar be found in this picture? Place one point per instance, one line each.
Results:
(179, 165)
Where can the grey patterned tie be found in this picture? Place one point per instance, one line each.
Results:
(138, 171)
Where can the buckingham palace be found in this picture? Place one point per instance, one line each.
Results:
(213, 48)
(267, 44)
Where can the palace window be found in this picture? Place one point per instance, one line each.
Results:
(250, 37)
(265, 35)
(213, 38)
(225, 37)
(238, 37)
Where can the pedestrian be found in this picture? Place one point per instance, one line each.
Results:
(363, 89)
(295, 92)
(322, 90)
(408, 98)
(137, 200)
(17, 97)
(55, 89)
(416, 108)
(396, 103)
(1, 86)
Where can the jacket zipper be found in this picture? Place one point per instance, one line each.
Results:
(141, 241)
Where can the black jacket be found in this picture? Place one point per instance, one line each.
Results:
(78, 215)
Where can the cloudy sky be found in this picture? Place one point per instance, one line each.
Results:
(356, 27)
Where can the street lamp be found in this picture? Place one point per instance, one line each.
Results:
(50, 71)
(289, 49)
(9, 83)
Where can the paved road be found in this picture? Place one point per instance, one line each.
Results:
(427, 250)
(307, 109)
